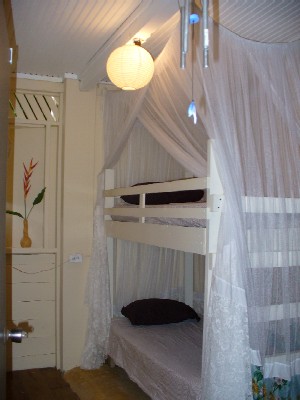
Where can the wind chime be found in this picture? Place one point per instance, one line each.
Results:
(187, 18)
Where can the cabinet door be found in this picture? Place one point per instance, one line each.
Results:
(31, 296)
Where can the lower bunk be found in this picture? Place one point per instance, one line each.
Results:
(164, 360)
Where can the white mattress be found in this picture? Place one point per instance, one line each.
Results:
(164, 360)
(196, 222)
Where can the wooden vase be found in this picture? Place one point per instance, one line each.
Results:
(25, 241)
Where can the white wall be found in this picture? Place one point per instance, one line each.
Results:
(80, 161)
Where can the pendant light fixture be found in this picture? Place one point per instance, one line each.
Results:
(130, 67)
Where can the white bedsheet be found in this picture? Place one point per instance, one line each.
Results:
(164, 360)
(196, 222)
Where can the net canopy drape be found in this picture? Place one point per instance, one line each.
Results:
(255, 119)
(248, 102)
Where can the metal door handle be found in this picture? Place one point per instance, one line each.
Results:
(16, 335)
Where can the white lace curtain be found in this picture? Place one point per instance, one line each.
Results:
(248, 101)
(253, 98)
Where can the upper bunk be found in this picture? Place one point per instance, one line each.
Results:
(189, 226)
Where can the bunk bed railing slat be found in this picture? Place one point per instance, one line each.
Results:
(188, 239)
(158, 212)
(184, 184)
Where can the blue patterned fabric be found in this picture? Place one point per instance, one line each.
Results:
(274, 388)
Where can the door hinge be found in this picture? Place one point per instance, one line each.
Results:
(11, 52)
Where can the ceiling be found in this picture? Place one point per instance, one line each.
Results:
(55, 37)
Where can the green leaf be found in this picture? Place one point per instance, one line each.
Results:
(258, 375)
(39, 197)
(14, 213)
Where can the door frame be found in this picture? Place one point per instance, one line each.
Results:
(5, 71)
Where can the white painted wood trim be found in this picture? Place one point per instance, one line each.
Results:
(175, 212)
(188, 239)
(46, 184)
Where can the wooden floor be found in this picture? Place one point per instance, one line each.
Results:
(104, 383)
(38, 384)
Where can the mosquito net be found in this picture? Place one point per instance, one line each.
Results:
(248, 102)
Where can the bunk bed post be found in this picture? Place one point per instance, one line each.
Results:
(214, 204)
(188, 272)
(109, 202)
(188, 279)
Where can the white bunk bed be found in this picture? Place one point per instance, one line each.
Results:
(138, 349)
(190, 239)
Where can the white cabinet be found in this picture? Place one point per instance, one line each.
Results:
(31, 303)
(33, 295)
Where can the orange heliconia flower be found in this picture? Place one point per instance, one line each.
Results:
(27, 175)
(26, 188)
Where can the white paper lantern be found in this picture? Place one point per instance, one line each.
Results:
(130, 67)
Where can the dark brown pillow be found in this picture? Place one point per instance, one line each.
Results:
(182, 196)
(156, 311)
